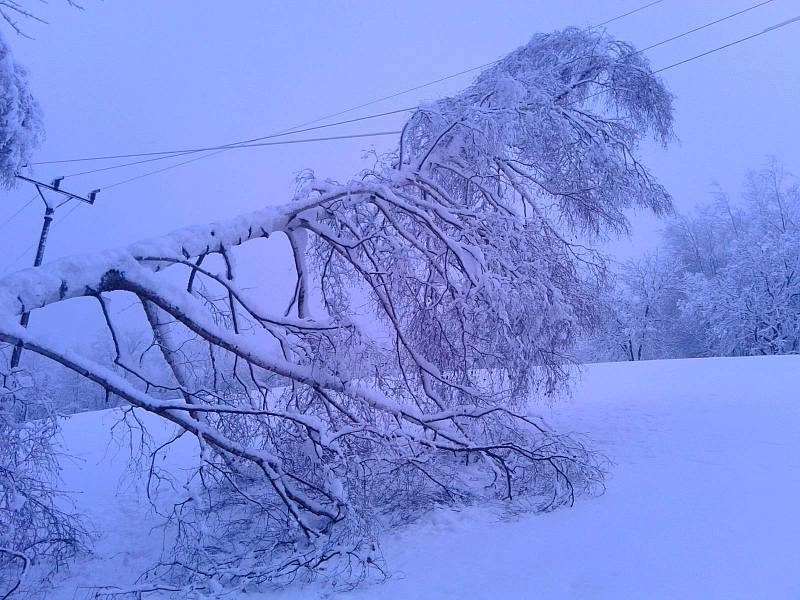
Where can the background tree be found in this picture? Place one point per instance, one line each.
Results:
(640, 319)
(21, 128)
(726, 286)
(750, 302)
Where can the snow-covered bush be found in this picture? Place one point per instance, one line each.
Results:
(460, 247)
(38, 536)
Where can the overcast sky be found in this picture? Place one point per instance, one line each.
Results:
(122, 77)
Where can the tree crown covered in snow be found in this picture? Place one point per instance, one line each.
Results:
(21, 128)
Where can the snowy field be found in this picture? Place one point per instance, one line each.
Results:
(701, 502)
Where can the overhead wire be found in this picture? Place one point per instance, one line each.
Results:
(17, 258)
(770, 29)
(230, 144)
(226, 148)
(18, 212)
(650, 47)
(717, 49)
(660, 70)
(454, 75)
(704, 26)
(303, 127)
(56, 222)
(623, 15)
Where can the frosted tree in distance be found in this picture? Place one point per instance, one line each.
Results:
(640, 319)
(746, 301)
(21, 128)
(314, 431)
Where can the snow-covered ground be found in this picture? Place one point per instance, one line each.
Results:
(701, 502)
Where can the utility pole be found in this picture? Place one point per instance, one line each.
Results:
(49, 211)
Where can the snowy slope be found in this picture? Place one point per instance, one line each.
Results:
(701, 502)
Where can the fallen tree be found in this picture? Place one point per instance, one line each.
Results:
(461, 245)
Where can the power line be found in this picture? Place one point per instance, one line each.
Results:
(297, 128)
(33, 245)
(18, 212)
(213, 150)
(162, 155)
(259, 144)
(49, 215)
(49, 209)
(704, 26)
(240, 144)
(17, 258)
(454, 75)
(635, 10)
(729, 44)
(786, 22)
(67, 214)
(231, 144)
(718, 48)
(706, 53)
(175, 153)
(661, 70)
